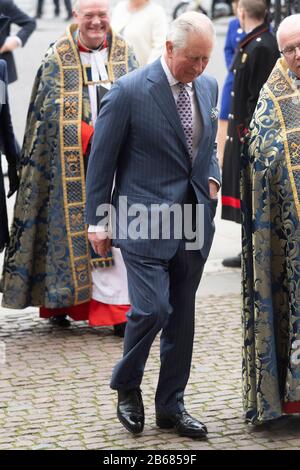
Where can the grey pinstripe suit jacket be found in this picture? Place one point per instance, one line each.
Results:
(139, 138)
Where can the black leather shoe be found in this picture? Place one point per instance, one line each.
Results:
(234, 262)
(119, 329)
(130, 410)
(183, 424)
(60, 320)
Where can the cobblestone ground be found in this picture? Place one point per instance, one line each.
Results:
(54, 391)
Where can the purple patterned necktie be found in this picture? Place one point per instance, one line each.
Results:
(184, 107)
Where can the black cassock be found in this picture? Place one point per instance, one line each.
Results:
(254, 60)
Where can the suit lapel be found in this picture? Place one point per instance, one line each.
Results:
(162, 94)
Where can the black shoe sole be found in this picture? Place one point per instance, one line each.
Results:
(59, 323)
(127, 426)
(168, 424)
(233, 262)
(229, 265)
(192, 435)
(119, 331)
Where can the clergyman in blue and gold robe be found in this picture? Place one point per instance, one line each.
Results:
(49, 262)
(270, 194)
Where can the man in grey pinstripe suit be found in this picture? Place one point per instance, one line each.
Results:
(160, 159)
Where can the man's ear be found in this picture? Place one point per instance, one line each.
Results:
(241, 14)
(169, 48)
(75, 16)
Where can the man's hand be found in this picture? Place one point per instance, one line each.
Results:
(213, 189)
(11, 43)
(100, 242)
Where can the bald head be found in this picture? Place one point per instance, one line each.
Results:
(288, 27)
(288, 38)
(78, 4)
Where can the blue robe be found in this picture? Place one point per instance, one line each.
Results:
(270, 193)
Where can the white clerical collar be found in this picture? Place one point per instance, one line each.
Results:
(84, 48)
(171, 79)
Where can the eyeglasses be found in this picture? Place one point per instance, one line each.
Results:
(290, 51)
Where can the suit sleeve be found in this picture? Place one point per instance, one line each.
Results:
(18, 17)
(9, 145)
(111, 130)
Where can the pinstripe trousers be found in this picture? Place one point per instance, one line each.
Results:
(162, 295)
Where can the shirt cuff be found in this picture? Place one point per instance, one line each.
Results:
(215, 180)
(97, 228)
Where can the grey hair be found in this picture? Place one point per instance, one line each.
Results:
(290, 22)
(189, 22)
(76, 5)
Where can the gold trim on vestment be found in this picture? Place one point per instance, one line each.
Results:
(86, 80)
(72, 163)
(71, 90)
(117, 65)
(281, 84)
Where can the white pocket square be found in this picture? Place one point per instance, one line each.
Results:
(214, 114)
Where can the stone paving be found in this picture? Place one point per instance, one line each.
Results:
(54, 391)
